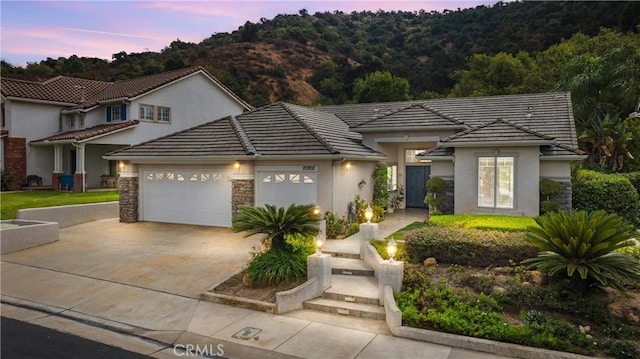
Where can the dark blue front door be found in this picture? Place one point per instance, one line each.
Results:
(417, 177)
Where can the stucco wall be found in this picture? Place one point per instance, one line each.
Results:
(555, 169)
(527, 177)
(193, 101)
(346, 184)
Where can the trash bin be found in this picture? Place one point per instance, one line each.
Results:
(66, 182)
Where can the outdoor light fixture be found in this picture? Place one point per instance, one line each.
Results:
(347, 166)
(319, 245)
(316, 210)
(237, 166)
(121, 165)
(392, 248)
(368, 213)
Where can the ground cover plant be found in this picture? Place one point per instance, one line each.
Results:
(11, 202)
(493, 296)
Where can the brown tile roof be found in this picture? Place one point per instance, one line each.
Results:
(69, 90)
(88, 93)
(88, 133)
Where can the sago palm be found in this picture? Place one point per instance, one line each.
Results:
(276, 223)
(583, 246)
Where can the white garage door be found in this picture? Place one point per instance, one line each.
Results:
(186, 196)
(284, 188)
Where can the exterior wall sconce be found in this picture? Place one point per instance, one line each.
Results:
(392, 249)
(368, 213)
(237, 167)
(121, 165)
(346, 166)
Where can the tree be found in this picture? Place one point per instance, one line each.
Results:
(277, 223)
(380, 86)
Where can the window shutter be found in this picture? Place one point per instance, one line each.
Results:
(108, 113)
(123, 112)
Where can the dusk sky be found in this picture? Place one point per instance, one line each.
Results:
(34, 30)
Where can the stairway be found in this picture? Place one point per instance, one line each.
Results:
(353, 291)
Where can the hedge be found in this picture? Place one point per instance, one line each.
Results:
(468, 247)
(634, 178)
(613, 193)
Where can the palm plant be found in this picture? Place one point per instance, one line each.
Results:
(276, 223)
(583, 246)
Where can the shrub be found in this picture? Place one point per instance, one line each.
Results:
(623, 349)
(549, 206)
(275, 265)
(380, 185)
(353, 229)
(471, 247)
(5, 177)
(634, 178)
(435, 186)
(336, 226)
(360, 206)
(276, 223)
(582, 246)
(613, 193)
(548, 190)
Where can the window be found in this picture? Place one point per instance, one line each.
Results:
(496, 182)
(117, 113)
(392, 174)
(410, 156)
(164, 114)
(146, 112)
(155, 113)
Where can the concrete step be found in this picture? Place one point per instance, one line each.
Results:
(350, 266)
(358, 310)
(342, 254)
(345, 287)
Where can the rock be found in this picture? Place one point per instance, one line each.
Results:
(502, 279)
(497, 289)
(430, 262)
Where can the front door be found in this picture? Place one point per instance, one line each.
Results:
(417, 177)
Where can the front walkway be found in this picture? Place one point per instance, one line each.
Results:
(84, 284)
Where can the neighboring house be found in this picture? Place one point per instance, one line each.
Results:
(492, 152)
(60, 129)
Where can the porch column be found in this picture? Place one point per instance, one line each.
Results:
(57, 167)
(128, 187)
(79, 178)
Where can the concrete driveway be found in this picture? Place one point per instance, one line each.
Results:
(172, 258)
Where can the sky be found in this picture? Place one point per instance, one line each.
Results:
(31, 31)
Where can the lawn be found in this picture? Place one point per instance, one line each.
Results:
(11, 202)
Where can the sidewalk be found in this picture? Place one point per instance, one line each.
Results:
(154, 322)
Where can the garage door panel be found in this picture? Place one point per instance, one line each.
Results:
(191, 197)
(284, 188)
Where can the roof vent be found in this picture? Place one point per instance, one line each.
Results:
(529, 113)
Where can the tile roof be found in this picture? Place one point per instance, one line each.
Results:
(88, 133)
(81, 93)
(548, 113)
(69, 90)
(279, 129)
(415, 116)
(217, 138)
(498, 131)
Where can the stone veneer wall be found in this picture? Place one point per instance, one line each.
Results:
(15, 160)
(128, 187)
(565, 198)
(242, 194)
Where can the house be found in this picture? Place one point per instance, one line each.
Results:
(58, 130)
(491, 151)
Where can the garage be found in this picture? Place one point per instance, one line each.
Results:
(286, 186)
(199, 197)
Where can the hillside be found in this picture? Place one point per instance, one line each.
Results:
(315, 58)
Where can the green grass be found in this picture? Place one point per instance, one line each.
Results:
(11, 202)
(477, 221)
(483, 221)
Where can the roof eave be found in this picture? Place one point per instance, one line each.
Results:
(563, 157)
(412, 128)
(179, 159)
(497, 143)
(436, 158)
(47, 102)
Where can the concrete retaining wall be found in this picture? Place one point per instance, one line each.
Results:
(293, 299)
(71, 215)
(25, 236)
(371, 257)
